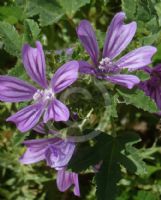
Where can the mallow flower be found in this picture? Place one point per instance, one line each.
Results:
(44, 98)
(105, 66)
(66, 179)
(55, 151)
(152, 87)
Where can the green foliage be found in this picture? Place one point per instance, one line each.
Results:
(72, 6)
(11, 14)
(18, 71)
(110, 172)
(49, 11)
(158, 10)
(108, 151)
(146, 195)
(31, 32)
(134, 156)
(10, 38)
(138, 98)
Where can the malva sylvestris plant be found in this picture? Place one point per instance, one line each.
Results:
(58, 151)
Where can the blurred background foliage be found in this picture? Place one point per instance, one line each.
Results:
(54, 22)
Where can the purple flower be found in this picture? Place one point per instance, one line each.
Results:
(117, 39)
(55, 151)
(152, 87)
(42, 129)
(66, 179)
(44, 99)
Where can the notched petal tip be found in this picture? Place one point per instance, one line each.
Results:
(118, 36)
(34, 63)
(88, 39)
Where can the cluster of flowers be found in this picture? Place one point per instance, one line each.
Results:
(45, 106)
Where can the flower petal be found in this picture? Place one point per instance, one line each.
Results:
(137, 58)
(66, 179)
(56, 111)
(40, 128)
(65, 76)
(28, 117)
(87, 36)
(15, 90)
(59, 153)
(152, 87)
(118, 36)
(34, 62)
(128, 81)
(86, 68)
(33, 155)
(35, 150)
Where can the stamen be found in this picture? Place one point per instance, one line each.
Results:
(107, 66)
(44, 95)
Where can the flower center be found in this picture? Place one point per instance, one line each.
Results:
(107, 66)
(44, 95)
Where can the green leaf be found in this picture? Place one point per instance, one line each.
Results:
(31, 32)
(48, 11)
(72, 6)
(19, 138)
(134, 156)
(146, 195)
(18, 71)
(11, 39)
(143, 76)
(110, 172)
(84, 157)
(158, 10)
(157, 57)
(108, 150)
(129, 7)
(138, 99)
(109, 113)
(11, 14)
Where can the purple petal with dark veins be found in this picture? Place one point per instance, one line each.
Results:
(28, 117)
(86, 68)
(55, 151)
(65, 76)
(118, 36)
(152, 87)
(34, 63)
(66, 179)
(137, 58)
(15, 90)
(59, 153)
(87, 36)
(56, 111)
(40, 128)
(128, 81)
(33, 155)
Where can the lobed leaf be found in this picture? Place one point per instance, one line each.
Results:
(138, 99)
(11, 39)
(72, 6)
